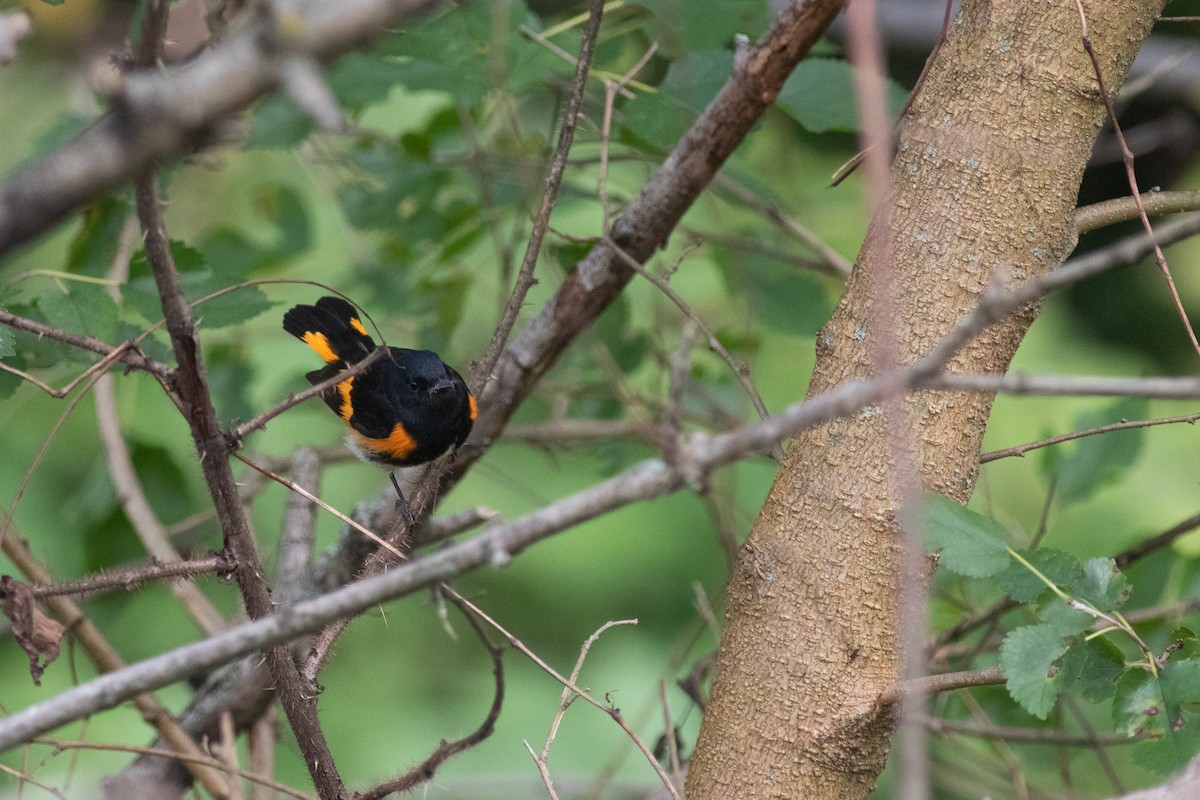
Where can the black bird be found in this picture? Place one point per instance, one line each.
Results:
(407, 408)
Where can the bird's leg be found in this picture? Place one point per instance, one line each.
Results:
(402, 505)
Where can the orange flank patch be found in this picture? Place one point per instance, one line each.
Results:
(356, 323)
(471, 408)
(397, 445)
(318, 342)
(347, 409)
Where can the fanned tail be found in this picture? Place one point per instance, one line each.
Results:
(332, 328)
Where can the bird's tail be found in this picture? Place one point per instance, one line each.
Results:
(332, 328)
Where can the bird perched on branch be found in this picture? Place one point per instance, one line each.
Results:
(406, 408)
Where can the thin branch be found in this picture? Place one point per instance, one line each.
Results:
(216, 764)
(1019, 383)
(1127, 156)
(739, 369)
(611, 711)
(1136, 552)
(567, 695)
(141, 516)
(312, 498)
(130, 357)
(423, 772)
(1123, 209)
(299, 703)
(162, 114)
(482, 373)
(944, 682)
(106, 658)
(238, 434)
(1026, 735)
(135, 577)
(1021, 449)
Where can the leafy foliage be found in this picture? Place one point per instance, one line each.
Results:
(1060, 652)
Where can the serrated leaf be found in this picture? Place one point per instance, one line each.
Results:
(1063, 618)
(971, 544)
(1096, 461)
(1093, 668)
(1157, 708)
(233, 308)
(1138, 705)
(1101, 584)
(1026, 657)
(1167, 754)
(1019, 583)
(85, 308)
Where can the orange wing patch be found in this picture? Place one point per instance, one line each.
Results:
(397, 445)
(356, 323)
(347, 409)
(320, 343)
(471, 408)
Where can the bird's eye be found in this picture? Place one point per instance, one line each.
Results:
(413, 385)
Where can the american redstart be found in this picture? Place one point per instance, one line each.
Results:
(407, 408)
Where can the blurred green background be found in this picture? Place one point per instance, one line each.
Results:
(411, 213)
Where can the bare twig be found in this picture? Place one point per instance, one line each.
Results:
(482, 373)
(945, 682)
(213, 449)
(216, 764)
(567, 694)
(614, 713)
(312, 498)
(1021, 449)
(424, 771)
(108, 660)
(141, 516)
(1048, 736)
(131, 358)
(738, 368)
(135, 577)
(1127, 156)
(1123, 209)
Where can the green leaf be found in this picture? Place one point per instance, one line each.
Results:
(820, 95)
(95, 243)
(233, 308)
(1101, 584)
(7, 343)
(1026, 657)
(1138, 705)
(1097, 461)
(362, 79)
(1157, 707)
(1024, 587)
(971, 544)
(278, 123)
(706, 24)
(234, 255)
(690, 85)
(1063, 618)
(1093, 667)
(85, 308)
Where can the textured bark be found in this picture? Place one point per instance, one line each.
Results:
(985, 179)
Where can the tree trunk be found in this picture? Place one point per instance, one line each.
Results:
(985, 178)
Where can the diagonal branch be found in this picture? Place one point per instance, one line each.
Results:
(161, 115)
